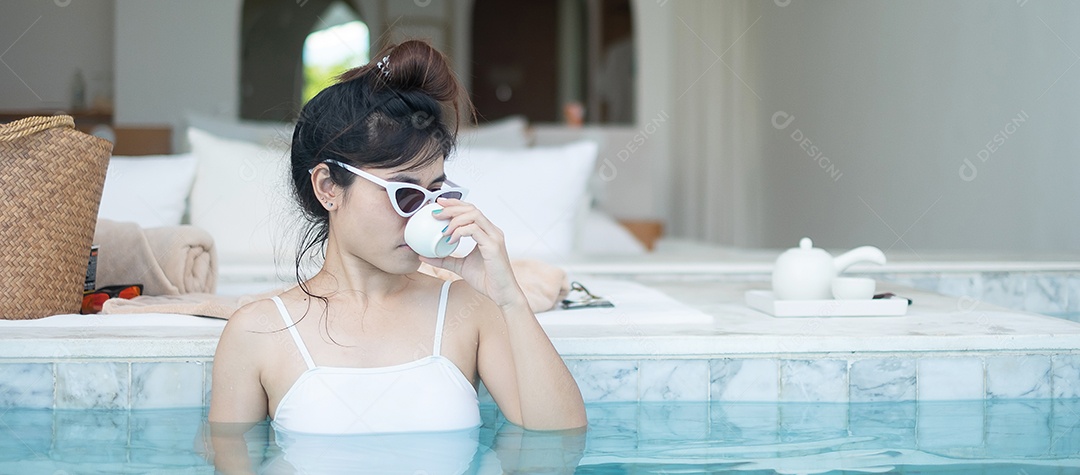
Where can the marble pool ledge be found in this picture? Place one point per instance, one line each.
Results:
(946, 348)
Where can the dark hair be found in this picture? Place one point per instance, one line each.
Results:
(402, 108)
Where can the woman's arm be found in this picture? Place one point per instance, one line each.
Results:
(516, 360)
(226, 446)
(524, 374)
(238, 400)
(539, 452)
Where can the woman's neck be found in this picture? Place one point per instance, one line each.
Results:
(347, 274)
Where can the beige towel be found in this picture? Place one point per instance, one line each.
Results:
(169, 260)
(207, 305)
(544, 285)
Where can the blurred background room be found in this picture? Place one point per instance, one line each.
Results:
(916, 126)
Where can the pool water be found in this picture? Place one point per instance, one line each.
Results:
(1014, 437)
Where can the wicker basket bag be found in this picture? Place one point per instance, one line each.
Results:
(50, 188)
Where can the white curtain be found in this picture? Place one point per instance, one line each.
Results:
(715, 147)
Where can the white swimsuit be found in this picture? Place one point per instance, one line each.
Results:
(428, 394)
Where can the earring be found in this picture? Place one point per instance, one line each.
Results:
(329, 205)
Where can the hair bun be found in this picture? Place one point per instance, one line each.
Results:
(416, 65)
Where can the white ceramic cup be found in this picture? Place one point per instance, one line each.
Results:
(853, 288)
(424, 233)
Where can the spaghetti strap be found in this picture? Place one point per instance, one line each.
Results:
(295, 334)
(441, 318)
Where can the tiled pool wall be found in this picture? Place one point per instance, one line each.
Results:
(809, 378)
(832, 378)
(1056, 294)
(98, 384)
(846, 377)
(1049, 293)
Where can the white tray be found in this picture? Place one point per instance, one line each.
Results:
(763, 300)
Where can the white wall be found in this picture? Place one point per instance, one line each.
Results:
(898, 96)
(173, 56)
(447, 23)
(43, 43)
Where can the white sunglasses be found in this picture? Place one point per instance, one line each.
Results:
(406, 198)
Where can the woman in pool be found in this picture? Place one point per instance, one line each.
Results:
(389, 349)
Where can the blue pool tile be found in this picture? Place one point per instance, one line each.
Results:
(166, 385)
(804, 422)
(208, 378)
(612, 426)
(25, 434)
(1018, 377)
(1065, 428)
(890, 422)
(744, 380)
(927, 281)
(1046, 293)
(945, 379)
(165, 438)
(741, 423)
(659, 424)
(951, 428)
(674, 380)
(27, 385)
(961, 285)
(92, 385)
(97, 436)
(1005, 289)
(882, 379)
(1072, 293)
(813, 380)
(606, 380)
(1018, 428)
(1066, 374)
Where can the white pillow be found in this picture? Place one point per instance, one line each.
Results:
(150, 191)
(503, 133)
(242, 198)
(531, 194)
(601, 234)
(265, 133)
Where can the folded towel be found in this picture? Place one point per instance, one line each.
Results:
(207, 305)
(169, 260)
(544, 285)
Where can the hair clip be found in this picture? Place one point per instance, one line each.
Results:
(384, 65)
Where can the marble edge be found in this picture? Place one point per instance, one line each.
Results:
(789, 344)
(617, 347)
(53, 349)
(697, 268)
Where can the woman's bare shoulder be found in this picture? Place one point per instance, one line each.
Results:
(260, 315)
(252, 326)
(467, 303)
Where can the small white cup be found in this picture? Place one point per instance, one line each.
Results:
(424, 233)
(853, 288)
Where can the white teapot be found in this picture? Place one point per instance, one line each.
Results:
(806, 272)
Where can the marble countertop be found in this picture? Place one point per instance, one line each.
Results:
(695, 258)
(673, 256)
(934, 323)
